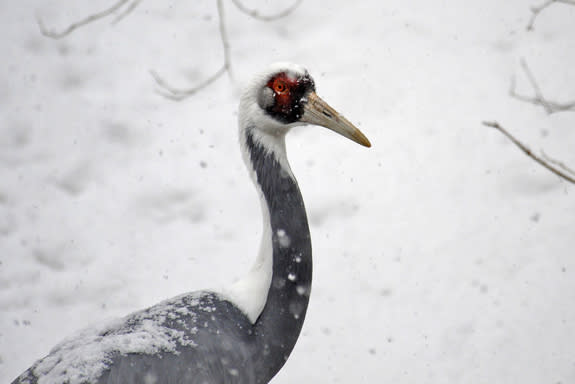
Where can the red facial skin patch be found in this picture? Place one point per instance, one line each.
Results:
(289, 96)
(284, 88)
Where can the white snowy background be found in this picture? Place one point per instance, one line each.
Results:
(442, 254)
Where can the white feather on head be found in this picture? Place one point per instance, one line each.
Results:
(266, 130)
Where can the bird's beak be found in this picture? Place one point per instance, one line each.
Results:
(318, 112)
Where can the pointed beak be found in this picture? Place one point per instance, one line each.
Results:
(318, 112)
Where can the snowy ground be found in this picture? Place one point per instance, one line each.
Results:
(442, 254)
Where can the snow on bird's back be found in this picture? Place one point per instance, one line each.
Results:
(85, 356)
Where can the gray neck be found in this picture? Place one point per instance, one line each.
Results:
(279, 324)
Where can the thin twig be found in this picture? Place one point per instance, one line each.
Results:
(126, 12)
(557, 163)
(528, 152)
(166, 89)
(225, 40)
(87, 20)
(535, 11)
(549, 106)
(177, 94)
(536, 89)
(256, 14)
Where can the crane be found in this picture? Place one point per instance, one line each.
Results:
(245, 333)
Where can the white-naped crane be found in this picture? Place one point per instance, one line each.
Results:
(245, 333)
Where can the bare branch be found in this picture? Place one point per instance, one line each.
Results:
(177, 94)
(181, 94)
(545, 163)
(549, 106)
(166, 89)
(535, 11)
(536, 89)
(224, 38)
(557, 163)
(90, 19)
(256, 14)
(126, 12)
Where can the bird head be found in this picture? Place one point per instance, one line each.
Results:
(284, 96)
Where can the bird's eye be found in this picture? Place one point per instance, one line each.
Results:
(280, 86)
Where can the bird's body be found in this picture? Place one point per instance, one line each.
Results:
(246, 333)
